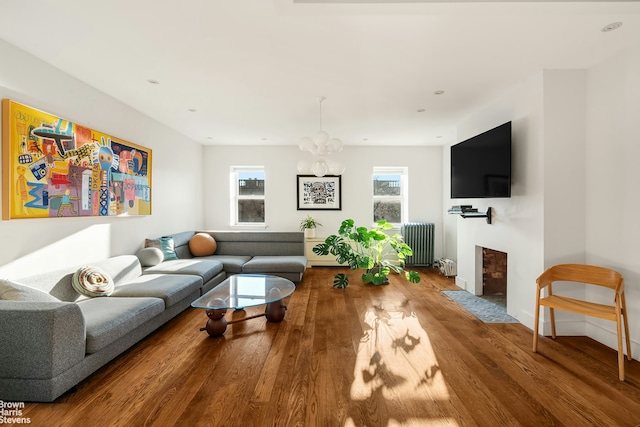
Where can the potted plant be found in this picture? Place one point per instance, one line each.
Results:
(308, 225)
(371, 249)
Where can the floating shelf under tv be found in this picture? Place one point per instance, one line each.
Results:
(469, 212)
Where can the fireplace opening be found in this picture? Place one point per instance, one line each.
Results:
(494, 276)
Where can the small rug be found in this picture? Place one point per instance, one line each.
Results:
(484, 310)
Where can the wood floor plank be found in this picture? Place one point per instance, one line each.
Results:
(397, 355)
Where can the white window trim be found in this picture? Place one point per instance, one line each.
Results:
(403, 171)
(234, 197)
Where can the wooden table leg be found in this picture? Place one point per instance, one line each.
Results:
(217, 324)
(275, 311)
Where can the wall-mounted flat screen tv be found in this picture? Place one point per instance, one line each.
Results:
(481, 166)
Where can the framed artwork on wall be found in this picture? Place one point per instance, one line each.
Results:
(52, 167)
(319, 193)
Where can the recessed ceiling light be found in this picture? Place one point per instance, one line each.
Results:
(438, 92)
(153, 82)
(611, 27)
(193, 110)
(209, 137)
(420, 110)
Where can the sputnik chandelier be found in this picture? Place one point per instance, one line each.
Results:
(320, 146)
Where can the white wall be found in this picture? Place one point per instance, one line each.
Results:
(613, 183)
(564, 93)
(425, 185)
(517, 223)
(33, 245)
(575, 188)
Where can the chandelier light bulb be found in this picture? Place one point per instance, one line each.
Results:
(321, 151)
(335, 168)
(334, 146)
(321, 139)
(320, 168)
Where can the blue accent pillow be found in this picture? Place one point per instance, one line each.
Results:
(165, 244)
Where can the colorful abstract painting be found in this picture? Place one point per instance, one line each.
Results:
(52, 167)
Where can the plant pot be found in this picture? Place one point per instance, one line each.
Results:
(309, 233)
(376, 270)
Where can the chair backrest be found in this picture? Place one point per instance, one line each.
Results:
(588, 274)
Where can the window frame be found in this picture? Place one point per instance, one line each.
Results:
(236, 197)
(403, 197)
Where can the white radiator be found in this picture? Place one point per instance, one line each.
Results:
(419, 236)
(447, 267)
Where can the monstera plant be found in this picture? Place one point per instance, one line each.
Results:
(373, 250)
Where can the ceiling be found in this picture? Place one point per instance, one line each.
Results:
(249, 72)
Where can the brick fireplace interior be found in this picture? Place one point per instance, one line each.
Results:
(494, 275)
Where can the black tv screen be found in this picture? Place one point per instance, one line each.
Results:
(481, 166)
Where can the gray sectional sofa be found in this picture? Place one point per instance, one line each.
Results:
(251, 252)
(53, 337)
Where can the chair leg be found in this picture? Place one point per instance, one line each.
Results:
(626, 326)
(620, 349)
(552, 317)
(535, 324)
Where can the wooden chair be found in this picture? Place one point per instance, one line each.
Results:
(591, 275)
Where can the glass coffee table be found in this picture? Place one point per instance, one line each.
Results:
(240, 291)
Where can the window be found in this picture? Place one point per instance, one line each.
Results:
(390, 194)
(247, 207)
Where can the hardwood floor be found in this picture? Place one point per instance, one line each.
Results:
(402, 354)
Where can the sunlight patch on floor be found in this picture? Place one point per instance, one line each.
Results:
(447, 422)
(395, 359)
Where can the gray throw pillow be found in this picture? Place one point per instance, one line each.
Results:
(150, 256)
(13, 291)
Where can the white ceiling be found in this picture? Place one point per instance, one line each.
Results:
(254, 69)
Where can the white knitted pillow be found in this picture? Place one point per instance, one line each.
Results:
(92, 282)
